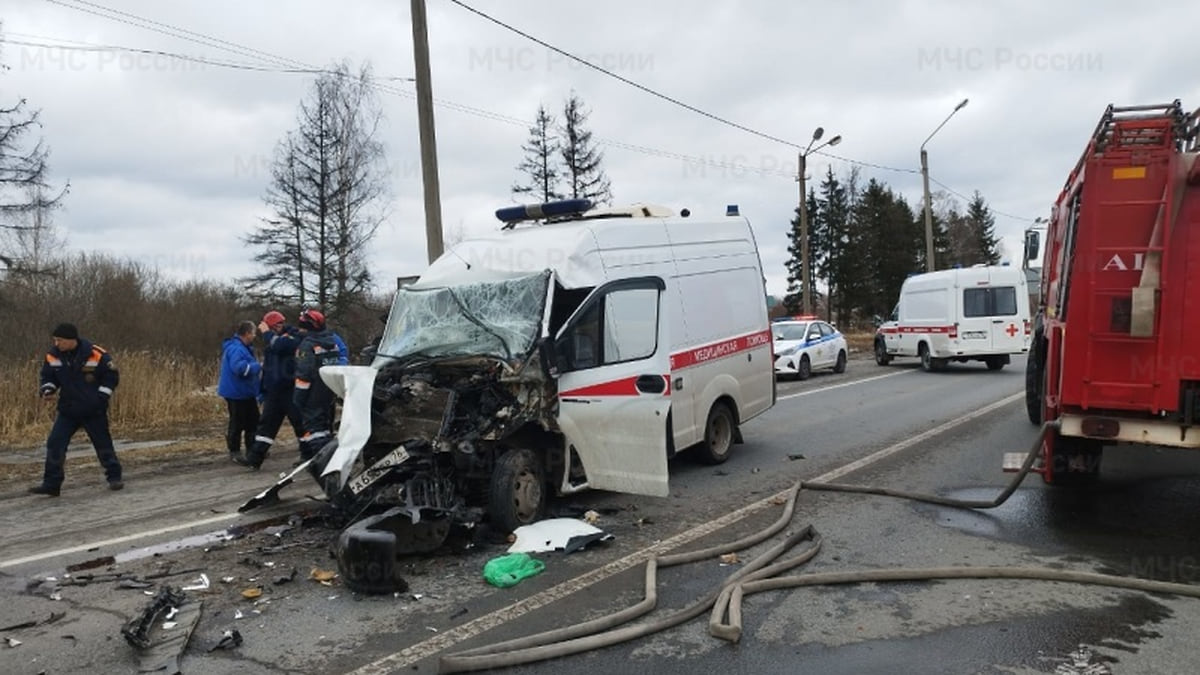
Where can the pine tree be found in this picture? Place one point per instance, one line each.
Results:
(984, 246)
(328, 185)
(540, 168)
(582, 161)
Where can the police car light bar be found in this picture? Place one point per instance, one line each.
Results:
(566, 207)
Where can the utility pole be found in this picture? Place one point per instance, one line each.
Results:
(806, 282)
(925, 179)
(429, 170)
(928, 212)
(806, 285)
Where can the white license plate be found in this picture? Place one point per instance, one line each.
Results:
(975, 335)
(376, 470)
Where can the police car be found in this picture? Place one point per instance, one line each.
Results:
(804, 344)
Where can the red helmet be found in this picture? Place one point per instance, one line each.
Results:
(312, 320)
(273, 318)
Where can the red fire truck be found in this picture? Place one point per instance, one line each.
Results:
(1116, 350)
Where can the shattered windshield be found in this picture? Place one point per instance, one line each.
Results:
(494, 318)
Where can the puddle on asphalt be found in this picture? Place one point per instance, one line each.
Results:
(1117, 526)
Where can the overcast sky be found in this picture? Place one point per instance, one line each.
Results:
(168, 159)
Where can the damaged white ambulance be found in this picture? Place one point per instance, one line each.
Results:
(573, 348)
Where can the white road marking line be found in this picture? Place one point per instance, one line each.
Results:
(923, 436)
(843, 384)
(117, 540)
(423, 650)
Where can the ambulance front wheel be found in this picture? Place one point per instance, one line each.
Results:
(881, 355)
(719, 433)
(517, 491)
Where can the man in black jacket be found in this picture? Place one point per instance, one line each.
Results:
(318, 348)
(83, 376)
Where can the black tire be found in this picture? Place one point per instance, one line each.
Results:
(840, 366)
(720, 430)
(928, 363)
(1035, 377)
(804, 368)
(881, 355)
(995, 362)
(517, 491)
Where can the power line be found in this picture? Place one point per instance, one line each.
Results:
(663, 96)
(626, 80)
(91, 47)
(967, 199)
(242, 50)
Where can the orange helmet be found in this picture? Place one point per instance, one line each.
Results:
(312, 320)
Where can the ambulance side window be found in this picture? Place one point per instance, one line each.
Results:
(615, 326)
(630, 324)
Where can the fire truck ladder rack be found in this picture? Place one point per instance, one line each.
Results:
(1129, 136)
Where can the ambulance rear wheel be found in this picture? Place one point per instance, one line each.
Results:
(517, 493)
(804, 369)
(840, 366)
(719, 432)
(928, 363)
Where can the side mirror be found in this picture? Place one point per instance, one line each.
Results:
(553, 363)
(1033, 242)
(877, 320)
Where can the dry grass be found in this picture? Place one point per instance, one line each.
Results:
(860, 342)
(158, 395)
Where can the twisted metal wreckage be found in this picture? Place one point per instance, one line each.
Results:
(458, 378)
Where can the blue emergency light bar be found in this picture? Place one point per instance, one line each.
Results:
(558, 209)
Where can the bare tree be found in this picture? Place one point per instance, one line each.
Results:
(540, 167)
(585, 177)
(328, 191)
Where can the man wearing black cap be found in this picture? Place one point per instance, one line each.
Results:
(83, 376)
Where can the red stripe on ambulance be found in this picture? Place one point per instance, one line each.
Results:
(720, 350)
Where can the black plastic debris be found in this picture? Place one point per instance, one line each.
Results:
(133, 583)
(581, 541)
(159, 643)
(230, 639)
(366, 555)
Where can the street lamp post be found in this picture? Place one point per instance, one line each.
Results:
(925, 180)
(806, 282)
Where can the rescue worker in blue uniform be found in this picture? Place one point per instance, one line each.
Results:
(278, 385)
(313, 397)
(238, 383)
(83, 376)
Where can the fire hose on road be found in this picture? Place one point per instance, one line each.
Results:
(760, 574)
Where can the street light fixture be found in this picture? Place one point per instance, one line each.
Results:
(925, 178)
(806, 285)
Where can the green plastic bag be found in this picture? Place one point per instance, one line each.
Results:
(509, 570)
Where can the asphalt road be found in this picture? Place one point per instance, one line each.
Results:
(1140, 520)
